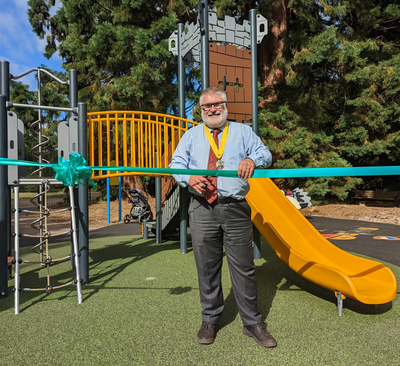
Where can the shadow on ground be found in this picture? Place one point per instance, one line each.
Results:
(274, 271)
(120, 254)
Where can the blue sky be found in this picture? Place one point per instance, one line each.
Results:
(19, 45)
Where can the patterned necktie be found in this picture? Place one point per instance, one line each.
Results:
(210, 193)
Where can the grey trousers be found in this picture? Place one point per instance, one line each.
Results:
(212, 227)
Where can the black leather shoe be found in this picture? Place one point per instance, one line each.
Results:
(206, 334)
(260, 334)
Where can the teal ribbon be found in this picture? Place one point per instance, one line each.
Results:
(267, 173)
(68, 172)
(72, 171)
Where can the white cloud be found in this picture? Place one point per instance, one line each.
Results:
(19, 45)
(21, 4)
(15, 36)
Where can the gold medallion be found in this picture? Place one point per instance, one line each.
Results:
(220, 164)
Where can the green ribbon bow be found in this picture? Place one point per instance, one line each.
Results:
(70, 171)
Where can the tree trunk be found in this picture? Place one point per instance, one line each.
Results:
(271, 49)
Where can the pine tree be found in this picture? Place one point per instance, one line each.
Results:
(120, 49)
(337, 104)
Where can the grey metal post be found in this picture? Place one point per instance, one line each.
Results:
(5, 79)
(145, 229)
(158, 208)
(83, 221)
(183, 192)
(73, 103)
(254, 73)
(254, 107)
(183, 205)
(75, 244)
(16, 250)
(339, 303)
(181, 73)
(204, 37)
(73, 88)
(3, 198)
(5, 206)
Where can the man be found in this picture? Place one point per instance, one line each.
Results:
(219, 214)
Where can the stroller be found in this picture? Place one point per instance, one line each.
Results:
(140, 209)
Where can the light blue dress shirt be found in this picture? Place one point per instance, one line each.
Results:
(193, 150)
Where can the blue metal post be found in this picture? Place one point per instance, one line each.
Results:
(108, 199)
(119, 199)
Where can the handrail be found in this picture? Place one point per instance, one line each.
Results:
(132, 138)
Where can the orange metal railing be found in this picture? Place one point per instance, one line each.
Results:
(130, 138)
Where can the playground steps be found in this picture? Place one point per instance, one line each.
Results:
(171, 208)
(170, 215)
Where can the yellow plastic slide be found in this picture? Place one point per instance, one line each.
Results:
(307, 252)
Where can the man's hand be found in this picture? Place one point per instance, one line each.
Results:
(246, 168)
(198, 183)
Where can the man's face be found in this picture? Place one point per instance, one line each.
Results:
(215, 116)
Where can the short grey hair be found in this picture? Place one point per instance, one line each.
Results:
(212, 90)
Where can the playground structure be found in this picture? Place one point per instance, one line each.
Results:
(12, 142)
(291, 236)
(145, 139)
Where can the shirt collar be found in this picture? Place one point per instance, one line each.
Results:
(221, 128)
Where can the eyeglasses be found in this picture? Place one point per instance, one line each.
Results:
(217, 105)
